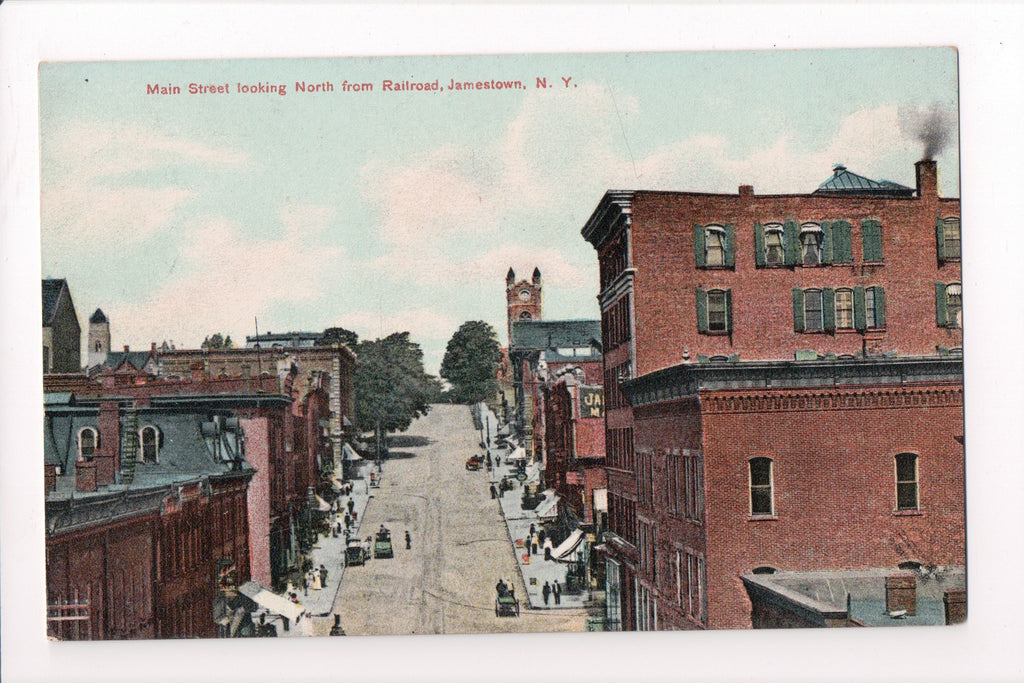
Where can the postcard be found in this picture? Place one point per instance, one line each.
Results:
(529, 343)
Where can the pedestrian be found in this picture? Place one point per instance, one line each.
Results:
(494, 492)
(305, 584)
(408, 540)
(540, 536)
(497, 460)
(533, 530)
(348, 520)
(533, 545)
(351, 506)
(546, 592)
(323, 575)
(557, 592)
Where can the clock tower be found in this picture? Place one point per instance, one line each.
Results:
(523, 299)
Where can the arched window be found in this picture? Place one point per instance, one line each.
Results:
(88, 443)
(954, 304)
(844, 309)
(762, 498)
(714, 245)
(774, 251)
(906, 482)
(525, 315)
(149, 438)
(99, 346)
(810, 244)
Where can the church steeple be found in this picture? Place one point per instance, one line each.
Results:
(523, 299)
(99, 338)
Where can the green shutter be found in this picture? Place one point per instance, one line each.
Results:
(879, 306)
(871, 234)
(759, 245)
(826, 242)
(791, 235)
(702, 310)
(828, 309)
(842, 250)
(699, 248)
(941, 317)
(798, 309)
(940, 239)
(730, 245)
(728, 310)
(860, 315)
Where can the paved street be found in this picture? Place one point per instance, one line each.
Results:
(460, 545)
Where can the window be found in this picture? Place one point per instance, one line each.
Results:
(761, 496)
(693, 485)
(88, 443)
(150, 439)
(696, 588)
(810, 244)
(906, 482)
(774, 252)
(714, 311)
(46, 359)
(525, 315)
(844, 309)
(948, 304)
(871, 234)
(713, 246)
(812, 310)
(947, 238)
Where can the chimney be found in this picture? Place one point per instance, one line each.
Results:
(108, 455)
(954, 602)
(126, 348)
(85, 476)
(927, 178)
(152, 348)
(746, 190)
(901, 593)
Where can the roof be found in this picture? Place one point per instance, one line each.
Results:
(137, 359)
(98, 317)
(51, 297)
(554, 334)
(825, 593)
(845, 181)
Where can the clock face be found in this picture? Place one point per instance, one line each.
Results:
(524, 295)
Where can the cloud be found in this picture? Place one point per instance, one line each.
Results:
(223, 281)
(93, 193)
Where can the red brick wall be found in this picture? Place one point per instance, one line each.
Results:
(666, 276)
(257, 453)
(834, 486)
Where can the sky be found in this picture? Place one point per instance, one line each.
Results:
(182, 215)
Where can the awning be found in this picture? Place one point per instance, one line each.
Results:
(517, 454)
(549, 507)
(349, 453)
(568, 546)
(336, 484)
(322, 505)
(271, 602)
(504, 431)
(533, 472)
(601, 500)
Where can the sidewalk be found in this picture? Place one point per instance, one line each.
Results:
(518, 521)
(330, 552)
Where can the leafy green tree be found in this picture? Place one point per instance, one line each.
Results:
(339, 335)
(391, 387)
(217, 341)
(471, 362)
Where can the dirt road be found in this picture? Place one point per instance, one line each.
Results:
(460, 547)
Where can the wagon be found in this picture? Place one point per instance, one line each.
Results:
(382, 544)
(355, 553)
(474, 463)
(506, 606)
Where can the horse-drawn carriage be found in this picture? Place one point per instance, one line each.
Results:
(506, 606)
(382, 544)
(474, 463)
(355, 553)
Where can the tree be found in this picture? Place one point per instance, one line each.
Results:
(218, 341)
(338, 335)
(471, 362)
(391, 386)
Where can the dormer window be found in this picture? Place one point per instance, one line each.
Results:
(150, 439)
(88, 443)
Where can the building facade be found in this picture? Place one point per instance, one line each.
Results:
(808, 300)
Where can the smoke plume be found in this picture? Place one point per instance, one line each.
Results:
(934, 126)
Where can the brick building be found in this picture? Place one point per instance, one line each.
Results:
(778, 369)
(146, 511)
(574, 441)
